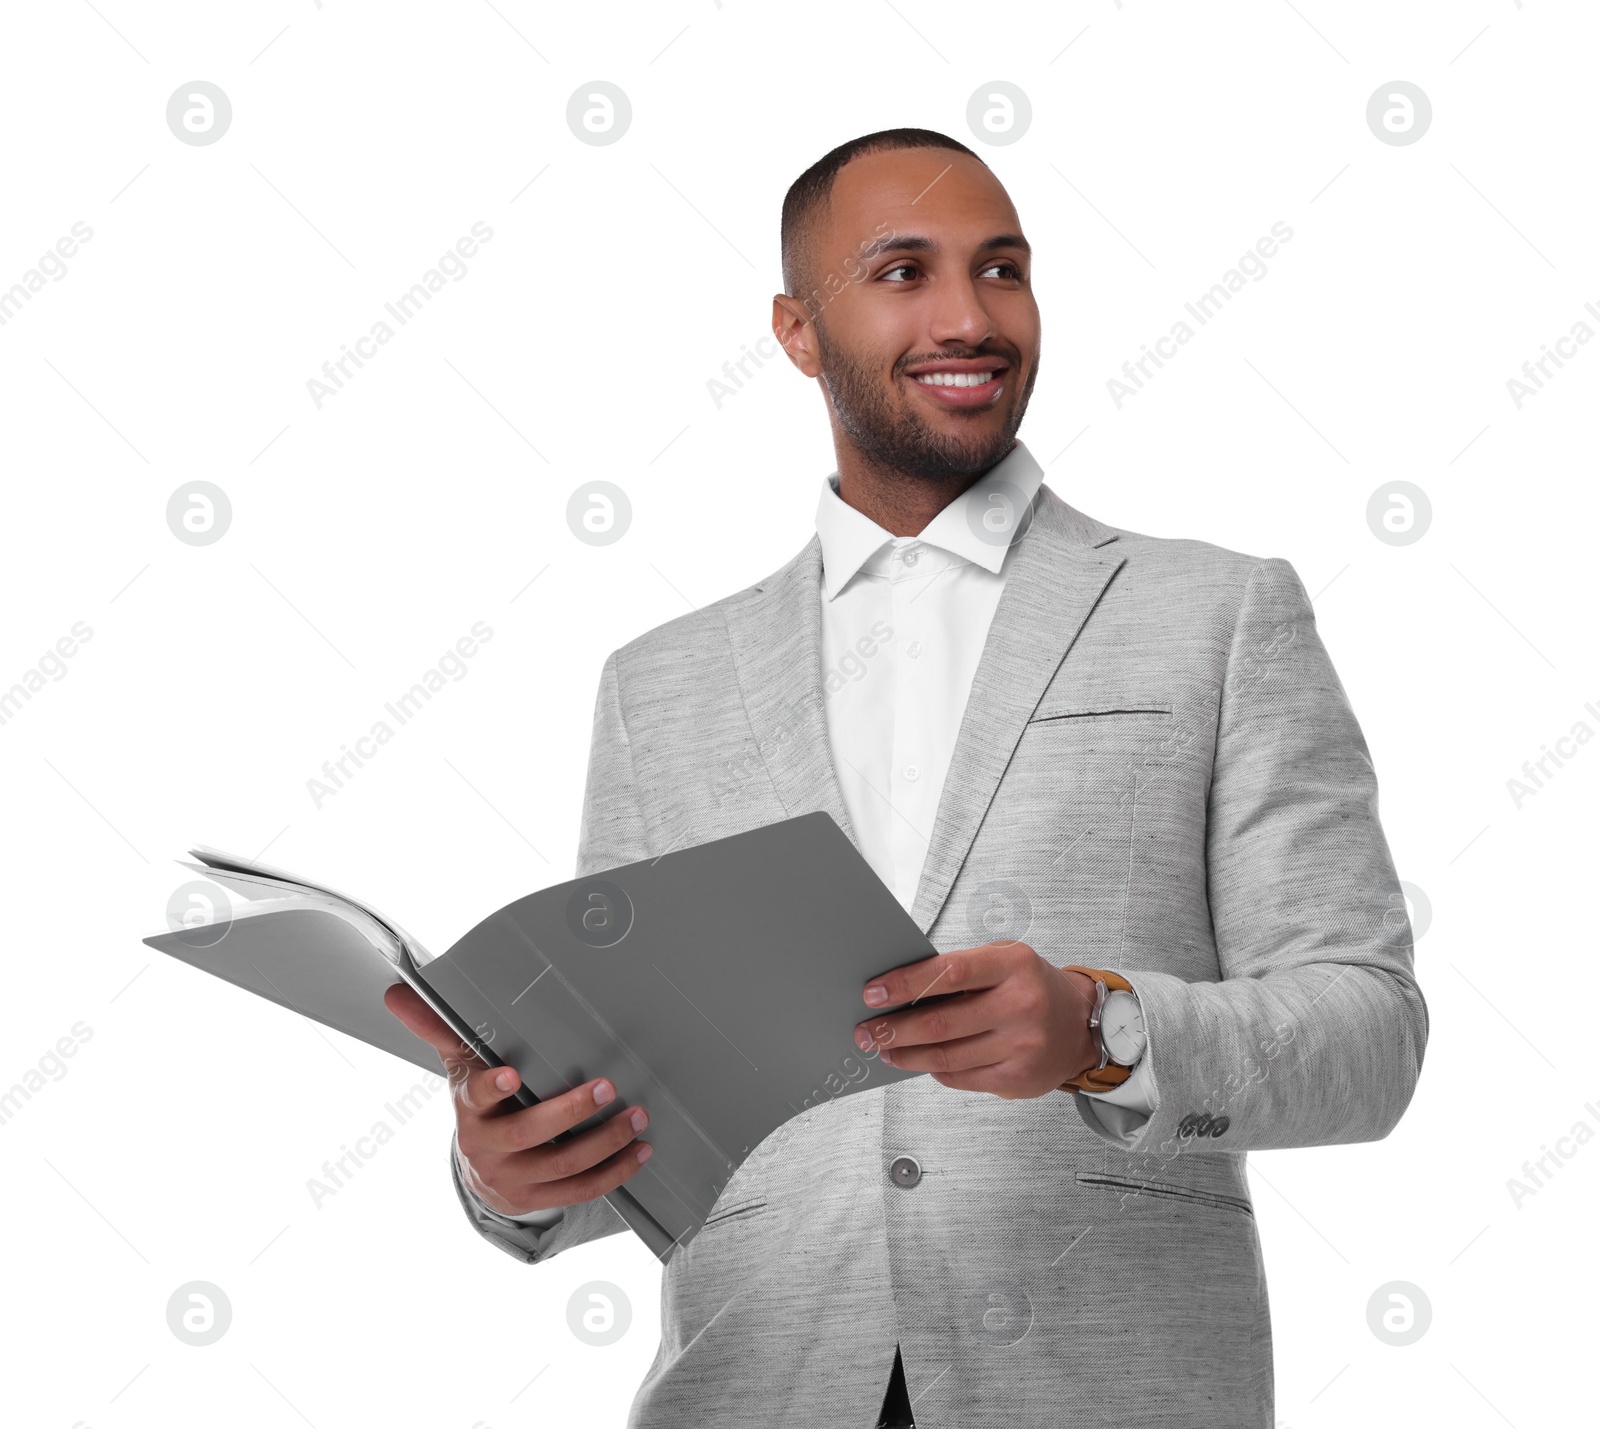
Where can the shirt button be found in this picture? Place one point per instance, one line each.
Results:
(905, 1172)
(912, 773)
(914, 649)
(910, 558)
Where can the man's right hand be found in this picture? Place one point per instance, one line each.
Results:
(504, 1158)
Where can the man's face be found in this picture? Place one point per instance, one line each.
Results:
(926, 291)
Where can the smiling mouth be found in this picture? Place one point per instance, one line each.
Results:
(955, 379)
(961, 389)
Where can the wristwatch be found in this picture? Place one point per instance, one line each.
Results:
(1118, 1025)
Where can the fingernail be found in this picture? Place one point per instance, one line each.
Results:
(638, 1119)
(645, 1150)
(505, 1081)
(876, 995)
(864, 1041)
(603, 1092)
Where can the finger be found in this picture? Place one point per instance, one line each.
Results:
(525, 1127)
(502, 1162)
(561, 1160)
(587, 1185)
(945, 973)
(964, 1054)
(961, 1015)
(406, 1004)
(485, 1091)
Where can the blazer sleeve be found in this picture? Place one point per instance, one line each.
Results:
(1315, 1034)
(611, 833)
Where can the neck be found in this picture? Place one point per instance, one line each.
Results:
(902, 503)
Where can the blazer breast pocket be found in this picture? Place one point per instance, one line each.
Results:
(1101, 740)
(1103, 713)
(1065, 820)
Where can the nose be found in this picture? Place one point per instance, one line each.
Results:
(959, 315)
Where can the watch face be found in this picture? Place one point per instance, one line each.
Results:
(1122, 1028)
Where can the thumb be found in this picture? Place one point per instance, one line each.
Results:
(424, 1022)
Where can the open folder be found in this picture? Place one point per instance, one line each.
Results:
(718, 985)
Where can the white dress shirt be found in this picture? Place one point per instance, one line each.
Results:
(904, 621)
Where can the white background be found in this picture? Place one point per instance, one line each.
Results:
(368, 535)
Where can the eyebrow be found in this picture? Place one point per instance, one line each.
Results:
(916, 243)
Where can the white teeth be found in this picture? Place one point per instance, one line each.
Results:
(953, 379)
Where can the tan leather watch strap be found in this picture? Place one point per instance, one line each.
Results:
(1112, 1074)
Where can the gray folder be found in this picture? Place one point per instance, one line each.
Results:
(718, 985)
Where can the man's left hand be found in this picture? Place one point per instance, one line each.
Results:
(1019, 1028)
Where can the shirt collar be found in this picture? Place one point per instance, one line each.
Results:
(850, 538)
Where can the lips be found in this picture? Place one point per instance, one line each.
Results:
(959, 364)
(964, 384)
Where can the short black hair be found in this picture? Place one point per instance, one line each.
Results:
(807, 199)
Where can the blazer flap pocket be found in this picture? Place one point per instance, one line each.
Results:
(1157, 1191)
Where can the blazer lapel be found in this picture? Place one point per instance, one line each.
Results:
(776, 637)
(1057, 573)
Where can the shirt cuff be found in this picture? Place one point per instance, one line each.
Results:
(1137, 1093)
(541, 1219)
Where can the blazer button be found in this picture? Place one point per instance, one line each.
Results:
(904, 1171)
(1219, 1126)
(1186, 1126)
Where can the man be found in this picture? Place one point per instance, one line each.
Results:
(1117, 782)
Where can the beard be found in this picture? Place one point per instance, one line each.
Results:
(898, 440)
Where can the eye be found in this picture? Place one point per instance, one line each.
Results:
(1010, 270)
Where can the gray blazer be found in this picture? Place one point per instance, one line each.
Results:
(1158, 755)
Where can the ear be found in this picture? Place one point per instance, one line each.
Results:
(796, 334)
